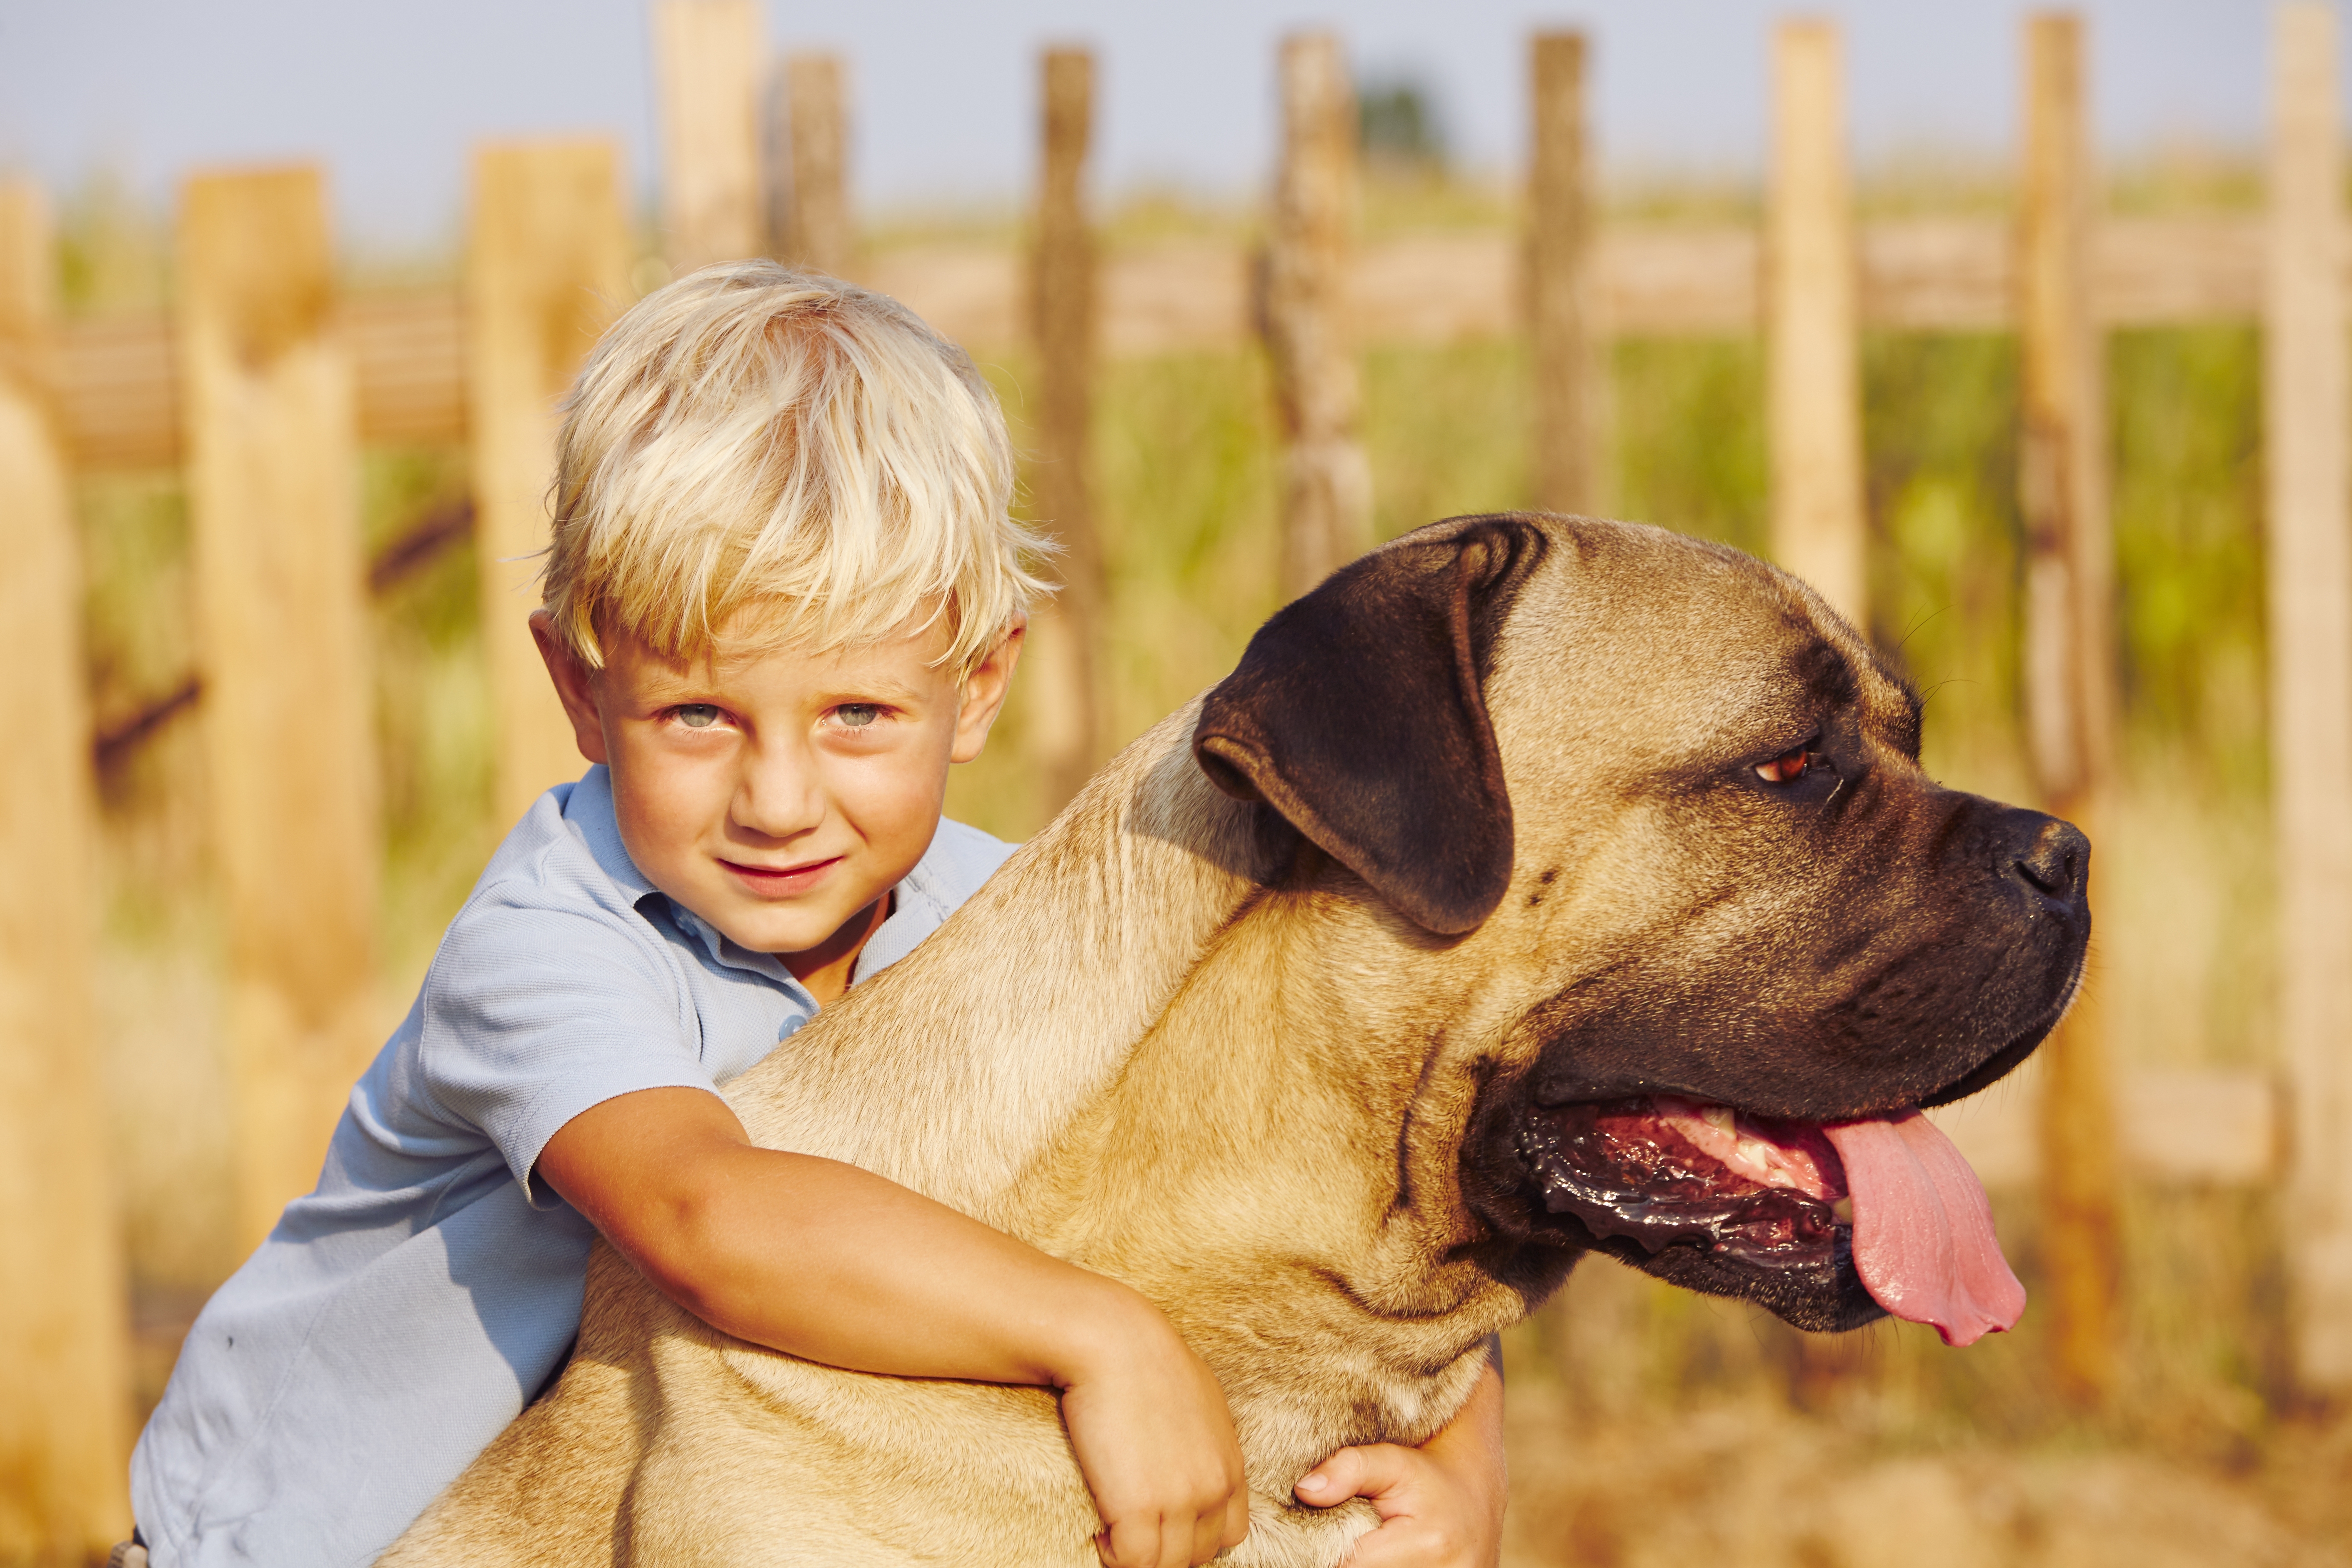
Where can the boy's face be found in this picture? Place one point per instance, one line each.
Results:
(779, 794)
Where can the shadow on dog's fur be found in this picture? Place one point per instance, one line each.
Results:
(1258, 1024)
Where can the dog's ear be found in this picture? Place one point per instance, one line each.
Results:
(1359, 713)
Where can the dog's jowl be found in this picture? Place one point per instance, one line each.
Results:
(1535, 887)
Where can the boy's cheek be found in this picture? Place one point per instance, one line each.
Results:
(909, 773)
(665, 804)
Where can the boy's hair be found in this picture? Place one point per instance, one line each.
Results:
(757, 439)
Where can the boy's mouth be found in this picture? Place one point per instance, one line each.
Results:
(780, 881)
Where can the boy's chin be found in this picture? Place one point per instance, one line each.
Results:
(785, 933)
(830, 919)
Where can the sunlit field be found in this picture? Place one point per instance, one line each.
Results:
(1648, 1426)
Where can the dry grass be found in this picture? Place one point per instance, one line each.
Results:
(1755, 1444)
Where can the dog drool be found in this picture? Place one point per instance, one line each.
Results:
(1662, 1170)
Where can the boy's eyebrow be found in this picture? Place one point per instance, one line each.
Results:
(886, 689)
(674, 684)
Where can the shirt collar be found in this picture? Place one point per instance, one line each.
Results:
(918, 907)
(589, 809)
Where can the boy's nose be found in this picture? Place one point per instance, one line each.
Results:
(779, 794)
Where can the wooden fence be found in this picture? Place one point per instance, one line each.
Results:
(263, 384)
(118, 400)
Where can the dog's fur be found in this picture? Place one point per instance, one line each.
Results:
(1475, 827)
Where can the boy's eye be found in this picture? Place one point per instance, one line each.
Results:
(856, 715)
(696, 715)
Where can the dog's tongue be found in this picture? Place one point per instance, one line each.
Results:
(1923, 1236)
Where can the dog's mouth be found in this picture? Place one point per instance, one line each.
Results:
(1888, 1198)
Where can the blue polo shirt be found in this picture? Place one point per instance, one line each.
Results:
(403, 1312)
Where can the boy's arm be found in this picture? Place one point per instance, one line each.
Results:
(832, 1264)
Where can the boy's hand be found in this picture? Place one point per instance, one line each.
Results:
(1441, 1505)
(1156, 1445)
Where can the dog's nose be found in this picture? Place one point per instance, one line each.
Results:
(2057, 862)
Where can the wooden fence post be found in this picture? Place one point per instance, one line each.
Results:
(1813, 400)
(1067, 637)
(546, 272)
(707, 55)
(1326, 480)
(1811, 280)
(1568, 376)
(273, 488)
(2305, 405)
(2070, 672)
(65, 1398)
(818, 233)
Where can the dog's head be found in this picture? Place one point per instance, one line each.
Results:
(1673, 805)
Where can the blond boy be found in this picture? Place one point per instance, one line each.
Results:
(784, 595)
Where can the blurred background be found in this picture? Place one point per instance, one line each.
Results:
(2021, 334)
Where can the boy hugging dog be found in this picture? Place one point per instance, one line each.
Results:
(784, 594)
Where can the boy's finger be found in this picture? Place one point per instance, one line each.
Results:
(1176, 1542)
(1332, 1481)
(1152, 1541)
(1237, 1519)
(1131, 1542)
(1376, 1471)
(1406, 1543)
(1207, 1530)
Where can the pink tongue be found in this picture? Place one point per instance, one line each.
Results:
(1923, 1235)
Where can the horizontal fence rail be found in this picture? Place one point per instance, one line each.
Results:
(2175, 1126)
(118, 397)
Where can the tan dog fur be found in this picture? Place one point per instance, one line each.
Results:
(1241, 1085)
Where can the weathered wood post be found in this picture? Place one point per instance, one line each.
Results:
(1327, 481)
(2307, 402)
(707, 57)
(1813, 400)
(1568, 380)
(273, 491)
(64, 1400)
(546, 270)
(1066, 638)
(2070, 671)
(818, 230)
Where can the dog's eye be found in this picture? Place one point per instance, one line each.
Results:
(1787, 768)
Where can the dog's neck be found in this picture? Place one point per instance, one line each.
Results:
(993, 1066)
(950, 1070)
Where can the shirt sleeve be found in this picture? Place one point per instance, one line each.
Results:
(536, 1010)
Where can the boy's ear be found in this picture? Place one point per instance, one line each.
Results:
(984, 690)
(573, 685)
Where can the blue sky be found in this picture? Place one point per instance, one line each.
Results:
(391, 96)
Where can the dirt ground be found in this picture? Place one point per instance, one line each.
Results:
(1756, 1485)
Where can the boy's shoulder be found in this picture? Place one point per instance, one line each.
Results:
(559, 985)
(959, 859)
(560, 913)
(566, 847)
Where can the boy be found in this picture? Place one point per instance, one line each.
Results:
(784, 594)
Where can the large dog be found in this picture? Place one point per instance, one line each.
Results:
(1536, 885)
